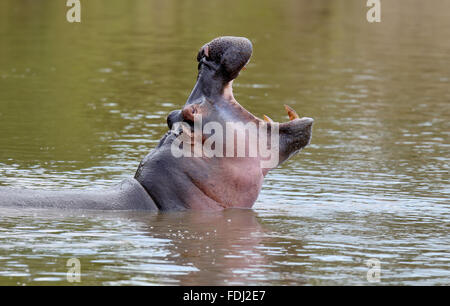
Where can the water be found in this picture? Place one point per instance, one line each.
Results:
(81, 104)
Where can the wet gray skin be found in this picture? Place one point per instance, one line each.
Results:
(166, 182)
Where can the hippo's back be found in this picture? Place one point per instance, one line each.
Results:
(128, 195)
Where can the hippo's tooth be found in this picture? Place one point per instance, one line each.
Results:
(206, 51)
(292, 114)
(267, 119)
(244, 68)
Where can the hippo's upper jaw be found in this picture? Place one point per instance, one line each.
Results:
(216, 153)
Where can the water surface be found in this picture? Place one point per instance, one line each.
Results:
(81, 104)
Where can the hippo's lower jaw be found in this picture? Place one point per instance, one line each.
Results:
(220, 178)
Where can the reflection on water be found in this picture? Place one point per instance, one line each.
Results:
(321, 244)
(135, 248)
(80, 105)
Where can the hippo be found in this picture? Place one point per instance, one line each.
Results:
(178, 174)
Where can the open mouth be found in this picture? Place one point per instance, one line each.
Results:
(292, 114)
(211, 102)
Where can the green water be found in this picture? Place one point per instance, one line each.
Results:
(82, 104)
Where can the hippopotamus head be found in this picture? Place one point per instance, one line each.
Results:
(216, 153)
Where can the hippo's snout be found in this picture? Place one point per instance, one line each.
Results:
(229, 54)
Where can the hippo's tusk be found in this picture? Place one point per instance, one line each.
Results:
(267, 119)
(292, 114)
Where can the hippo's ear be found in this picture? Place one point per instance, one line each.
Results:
(203, 52)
